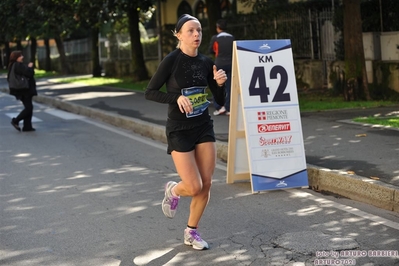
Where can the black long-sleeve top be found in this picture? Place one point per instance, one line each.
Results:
(178, 71)
(28, 72)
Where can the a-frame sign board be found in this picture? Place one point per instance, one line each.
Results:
(265, 132)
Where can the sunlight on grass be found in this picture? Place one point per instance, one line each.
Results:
(91, 81)
(384, 121)
(123, 83)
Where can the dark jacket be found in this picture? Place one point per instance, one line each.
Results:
(28, 72)
(221, 45)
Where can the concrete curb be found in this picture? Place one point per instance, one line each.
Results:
(354, 187)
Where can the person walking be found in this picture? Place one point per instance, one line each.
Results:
(24, 95)
(221, 46)
(189, 127)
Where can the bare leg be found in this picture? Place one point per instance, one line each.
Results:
(195, 169)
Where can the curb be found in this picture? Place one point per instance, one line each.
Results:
(354, 187)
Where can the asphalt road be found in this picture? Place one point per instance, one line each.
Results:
(81, 192)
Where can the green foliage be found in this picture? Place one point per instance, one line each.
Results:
(150, 47)
(376, 11)
(380, 90)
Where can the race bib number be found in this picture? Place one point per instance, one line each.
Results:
(198, 99)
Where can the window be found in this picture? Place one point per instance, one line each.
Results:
(184, 8)
(200, 10)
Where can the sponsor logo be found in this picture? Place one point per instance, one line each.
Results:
(261, 116)
(278, 152)
(275, 127)
(282, 184)
(264, 46)
(275, 141)
(265, 153)
(272, 115)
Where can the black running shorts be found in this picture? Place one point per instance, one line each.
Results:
(183, 138)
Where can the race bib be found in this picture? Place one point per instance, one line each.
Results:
(198, 100)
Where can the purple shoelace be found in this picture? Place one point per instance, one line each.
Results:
(195, 235)
(173, 202)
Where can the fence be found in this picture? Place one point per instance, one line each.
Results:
(75, 50)
(311, 33)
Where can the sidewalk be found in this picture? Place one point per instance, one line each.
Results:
(348, 159)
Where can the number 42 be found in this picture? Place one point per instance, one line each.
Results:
(263, 90)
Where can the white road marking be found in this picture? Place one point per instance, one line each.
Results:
(64, 115)
(34, 118)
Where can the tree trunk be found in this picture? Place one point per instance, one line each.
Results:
(19, 45)
(47, 60)
(214, 13)
(95, 54)
(355, 66)
(33, 48)
(61, 51)
(8, 53)
(138, 64)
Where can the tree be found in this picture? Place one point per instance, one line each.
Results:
(91, 14)
(138, 64)
(10, 30)
(53, 19)
(133, 9)
(355, 66)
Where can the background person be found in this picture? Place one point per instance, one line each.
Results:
(221, 46)
(189, 127)
(25, 96)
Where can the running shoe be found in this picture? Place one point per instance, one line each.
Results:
(222, 110)
(193, 238)
(169, 203)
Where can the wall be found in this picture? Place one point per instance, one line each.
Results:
(309, 74)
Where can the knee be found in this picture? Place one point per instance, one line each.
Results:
(206, 186)
(194, 189)
(199, 188)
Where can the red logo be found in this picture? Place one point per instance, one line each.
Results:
(275, 127)
(275, 141)
(261, 115)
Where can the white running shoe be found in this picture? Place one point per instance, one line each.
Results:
(222, 110)
(193, 238)
(170, 202)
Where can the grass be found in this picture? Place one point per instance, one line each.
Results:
(328, 102)
(123, 83)
(382, 121)
(38, 73)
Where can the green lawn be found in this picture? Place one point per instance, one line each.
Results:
(124, 83)
(319, 101)
(382, 121)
